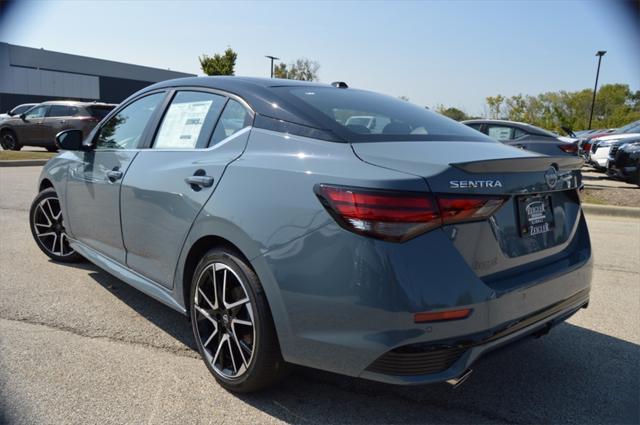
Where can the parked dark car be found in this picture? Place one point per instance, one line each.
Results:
(525, 136)
(40, 124)
(625, 162)
(20, 109)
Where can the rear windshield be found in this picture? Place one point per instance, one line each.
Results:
(100, 111)
(362, 116)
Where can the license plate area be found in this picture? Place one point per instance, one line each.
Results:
(535, 215)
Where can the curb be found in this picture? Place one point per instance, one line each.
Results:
(610, 210)
(22, 162)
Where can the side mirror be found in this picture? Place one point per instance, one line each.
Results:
(70, 140)
(23, 117)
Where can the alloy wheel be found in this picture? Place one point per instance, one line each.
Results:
(49, 227)
(8, 141)
(225, 320)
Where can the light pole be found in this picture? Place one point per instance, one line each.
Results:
(273, 58)
(599, 54)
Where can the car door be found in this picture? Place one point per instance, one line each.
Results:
(29, 129)
(58, 118)
(93, 184)
(168, 184)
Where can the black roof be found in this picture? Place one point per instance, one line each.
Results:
(257, 92)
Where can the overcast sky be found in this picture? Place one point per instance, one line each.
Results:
(454, 53)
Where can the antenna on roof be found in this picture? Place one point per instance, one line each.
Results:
(340, 84)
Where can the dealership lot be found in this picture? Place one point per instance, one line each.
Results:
(78, 345)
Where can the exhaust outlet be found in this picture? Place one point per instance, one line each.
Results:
(456, 382)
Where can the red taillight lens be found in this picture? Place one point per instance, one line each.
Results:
(569, 147)
(388, 215)
(455, 209)
(586, 147)
(399, 216)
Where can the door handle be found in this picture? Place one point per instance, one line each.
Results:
(114, 175)
(199, 181)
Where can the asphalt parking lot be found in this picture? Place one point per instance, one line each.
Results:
(79, 346)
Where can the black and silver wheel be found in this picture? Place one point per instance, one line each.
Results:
(232, 323)
(47, 227)
(9, 141)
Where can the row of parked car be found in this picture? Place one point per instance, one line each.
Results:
(614, 151)
(36, 124)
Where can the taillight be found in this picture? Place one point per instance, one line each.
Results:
(459, 208)
(586, 147)
(569, 147)
(398, 216)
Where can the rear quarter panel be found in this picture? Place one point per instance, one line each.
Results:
(265, 201)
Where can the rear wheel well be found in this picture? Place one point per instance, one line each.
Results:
(197, 251)
(45, 184)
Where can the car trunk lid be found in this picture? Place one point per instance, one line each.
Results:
(541, 210)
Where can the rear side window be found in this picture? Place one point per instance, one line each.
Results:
(124, 129)
(362, 116)
(475, 125)
(99, 112)
(500, 132)
(58, 111)
(189, 120)
(234, 118)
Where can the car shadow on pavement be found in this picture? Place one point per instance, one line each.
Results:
(571, 375)
(165, 318)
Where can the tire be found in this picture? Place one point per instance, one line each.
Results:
(242, 358)
(9, 141)
(46, 222)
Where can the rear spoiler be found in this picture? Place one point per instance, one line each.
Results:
(518, 165)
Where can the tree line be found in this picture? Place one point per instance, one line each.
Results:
(616, 105)
(225, 64)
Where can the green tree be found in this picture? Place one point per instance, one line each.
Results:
(219, 64)
(451, 112)
(495, 106)
(616, 105)
(302, 69)
(280, 70)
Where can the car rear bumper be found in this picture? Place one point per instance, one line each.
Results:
(346, 306)
(446, 360)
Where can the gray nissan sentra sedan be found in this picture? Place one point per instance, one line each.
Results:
(319, 225)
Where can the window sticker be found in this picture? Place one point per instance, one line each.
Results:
(182, 125)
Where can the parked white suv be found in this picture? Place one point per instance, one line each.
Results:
(601, 147)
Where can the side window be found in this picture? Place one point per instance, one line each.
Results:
(233, 119)
(189, 120)
(500, 132)
(73, 111)
(475, 125)
(58, 111)
(36, 113)
(517, 133)
(124, 130)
